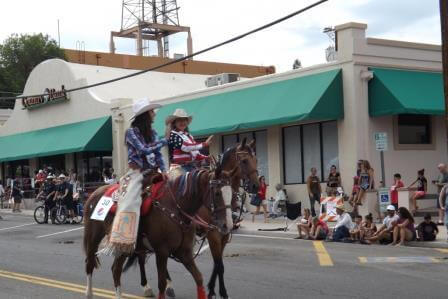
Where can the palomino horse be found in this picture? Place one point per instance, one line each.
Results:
(169, 227)
(240, 158)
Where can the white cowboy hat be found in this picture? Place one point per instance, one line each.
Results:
(178, 113)
(62, 176)
(142, 106)
(50, 177)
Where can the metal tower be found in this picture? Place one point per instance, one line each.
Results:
(147, 21)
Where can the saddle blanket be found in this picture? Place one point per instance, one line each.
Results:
(108, 202)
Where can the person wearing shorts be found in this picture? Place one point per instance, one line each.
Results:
(442, 180)
(422, 187)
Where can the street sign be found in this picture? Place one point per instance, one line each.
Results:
(381, 141)
(383, 199)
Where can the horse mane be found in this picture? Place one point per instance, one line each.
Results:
(227, 154)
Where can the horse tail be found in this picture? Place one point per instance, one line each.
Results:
(130, 261)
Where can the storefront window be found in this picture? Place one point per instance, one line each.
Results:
(54, 164)
(260, 138)
(90, 166)
(306, 146)
(414, 129)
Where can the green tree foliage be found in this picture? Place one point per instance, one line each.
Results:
(19, 54)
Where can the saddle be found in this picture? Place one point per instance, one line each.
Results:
(149, 194)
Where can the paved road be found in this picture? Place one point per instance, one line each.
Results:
(46, 261)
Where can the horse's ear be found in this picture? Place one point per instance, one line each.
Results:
(243, 143)
(252, 144)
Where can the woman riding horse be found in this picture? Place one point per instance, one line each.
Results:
(184, 150)
(143, 156)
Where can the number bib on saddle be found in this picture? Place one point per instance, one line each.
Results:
(102, 208)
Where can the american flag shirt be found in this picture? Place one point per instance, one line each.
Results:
(146, 156)
(184, 149)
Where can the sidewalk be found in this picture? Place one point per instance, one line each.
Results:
(24, 212)
(249, 227)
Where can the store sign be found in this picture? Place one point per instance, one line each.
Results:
(51, 96)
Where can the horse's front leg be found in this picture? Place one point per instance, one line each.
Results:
(162, 260)
(147, 290)
(169, 287)
(222, 287)
(117, 269)
(190, 265)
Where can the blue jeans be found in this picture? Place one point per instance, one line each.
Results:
(341, 233)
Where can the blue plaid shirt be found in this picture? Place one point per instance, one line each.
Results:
(146, 156)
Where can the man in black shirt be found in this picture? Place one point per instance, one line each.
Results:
(48, 191)
(65, 193)
(427, 230)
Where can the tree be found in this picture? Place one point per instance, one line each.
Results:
(19, 54)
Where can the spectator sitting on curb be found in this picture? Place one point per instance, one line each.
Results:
(405, 229)
(427, 230)
(319, 229)
(384, 233)
(368, 228)
(355, 232)
(304, 224)
(274, 201)
(343, 226)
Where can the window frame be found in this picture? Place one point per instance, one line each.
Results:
(238, 140)
(321, 148)
(400, 147)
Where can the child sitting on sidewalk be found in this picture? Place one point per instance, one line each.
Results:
(355, 232)
(427, 230)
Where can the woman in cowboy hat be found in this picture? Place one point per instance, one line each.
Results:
(144, 154)
(184, 150)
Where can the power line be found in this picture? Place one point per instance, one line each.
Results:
(185, 57)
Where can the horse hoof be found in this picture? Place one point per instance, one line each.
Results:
(211, 297)
(170, 292)
(147, 292)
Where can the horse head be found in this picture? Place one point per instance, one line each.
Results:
(242, 157)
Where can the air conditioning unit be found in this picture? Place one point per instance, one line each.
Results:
(178, 56)
(221, 79)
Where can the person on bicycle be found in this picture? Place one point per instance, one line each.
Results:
(47, 193)
(65, 194)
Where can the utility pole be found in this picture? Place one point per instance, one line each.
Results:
(444, 30)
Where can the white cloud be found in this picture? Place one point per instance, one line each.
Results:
(213, 21)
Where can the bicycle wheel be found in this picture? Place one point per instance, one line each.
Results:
(39, 214)
(60, 214)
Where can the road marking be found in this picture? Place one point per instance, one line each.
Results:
(322, 254)
(442, 250)
(263, 237)
(58, 233)
(62, 285)
(12, 227)
(398, 259)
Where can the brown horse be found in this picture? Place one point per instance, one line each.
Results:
(242, 160)
(169, 227)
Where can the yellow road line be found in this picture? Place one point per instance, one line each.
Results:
(435, 260)
(442, 250)
(61, 285)
(322, 254)
(362, 259)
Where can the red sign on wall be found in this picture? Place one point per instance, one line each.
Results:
(51, 96)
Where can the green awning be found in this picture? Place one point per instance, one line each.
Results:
(393, 92)
(313, 97)
(90, 135)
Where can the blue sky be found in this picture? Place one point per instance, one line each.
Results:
(213, 21)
